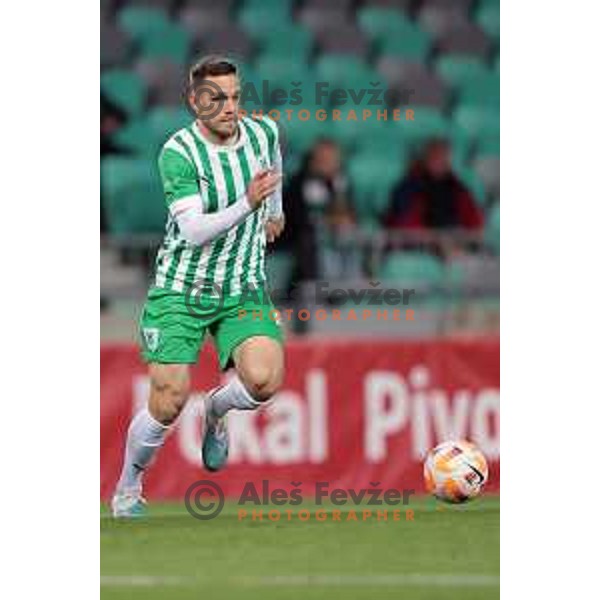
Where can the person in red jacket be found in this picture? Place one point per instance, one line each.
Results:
(431, 196)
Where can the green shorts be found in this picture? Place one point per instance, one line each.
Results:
(173, 328)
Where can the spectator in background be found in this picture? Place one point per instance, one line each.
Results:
(432, 197)
(112, 118)
(319, 217)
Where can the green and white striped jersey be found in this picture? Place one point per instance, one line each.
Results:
(189, 165)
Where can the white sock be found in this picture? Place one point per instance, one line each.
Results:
(144, 437)
(232, 395)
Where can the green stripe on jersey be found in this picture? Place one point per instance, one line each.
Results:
(223, 175)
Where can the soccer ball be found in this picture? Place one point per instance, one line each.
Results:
(455, 471)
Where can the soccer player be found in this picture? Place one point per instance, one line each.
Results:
(222, 183)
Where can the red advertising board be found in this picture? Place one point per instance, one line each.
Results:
(350, 412)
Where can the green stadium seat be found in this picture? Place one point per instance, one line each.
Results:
(124, 89)
(456, 70)
(477, 122)
(393, 33)
(254, 20)
(483, 90)
(164, 121)
(492, 230)
(137, 138)
(372, 178)
(292, 41)
(281, 70)
(412, 269)
(488, 145)
(427, 124)
(379, 22)
(488, 18)
(141, 22)
(270, 4)
(300, 135)
(146, 135)
(132, 196)
(173, 43)
(337, 68)
(414, 45)
(381, 137)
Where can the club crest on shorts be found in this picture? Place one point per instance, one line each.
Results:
(151, 338)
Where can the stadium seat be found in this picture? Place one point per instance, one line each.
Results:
(142, 22)
(166, 5)
(383, 138)
(381, 22)
(492, 230)
(488, 145)
(372, 177)
(172, 43)
(132, 196)
(457, 70)
(483, 90)
(418, 270)
(393, 33)
(268, 4)
(294, 41)
(136, 138)
(488, 18)
(254, 20)
(300, 135)
(477, 122)
(344, 72)
(145, 136)
(316, 19)
(164, 121)
(124, 89)
(427, 124)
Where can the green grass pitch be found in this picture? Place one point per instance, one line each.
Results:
(446, 552)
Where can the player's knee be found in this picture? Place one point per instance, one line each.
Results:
(170, 391)
(262, 381)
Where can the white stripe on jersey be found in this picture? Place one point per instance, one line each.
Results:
(219, 174)
(173, 144)
(259, 238)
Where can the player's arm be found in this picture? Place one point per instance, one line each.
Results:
(185, 203)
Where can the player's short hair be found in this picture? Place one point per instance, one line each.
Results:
(208, 66)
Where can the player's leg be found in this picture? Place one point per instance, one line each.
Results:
(259, 368)
(169, 391)
(259, 364)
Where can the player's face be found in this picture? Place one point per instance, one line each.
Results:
(218, 105)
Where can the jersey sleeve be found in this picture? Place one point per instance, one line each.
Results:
(178, 175)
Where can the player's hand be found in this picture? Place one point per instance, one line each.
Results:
(274, 227)
(263, 184)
